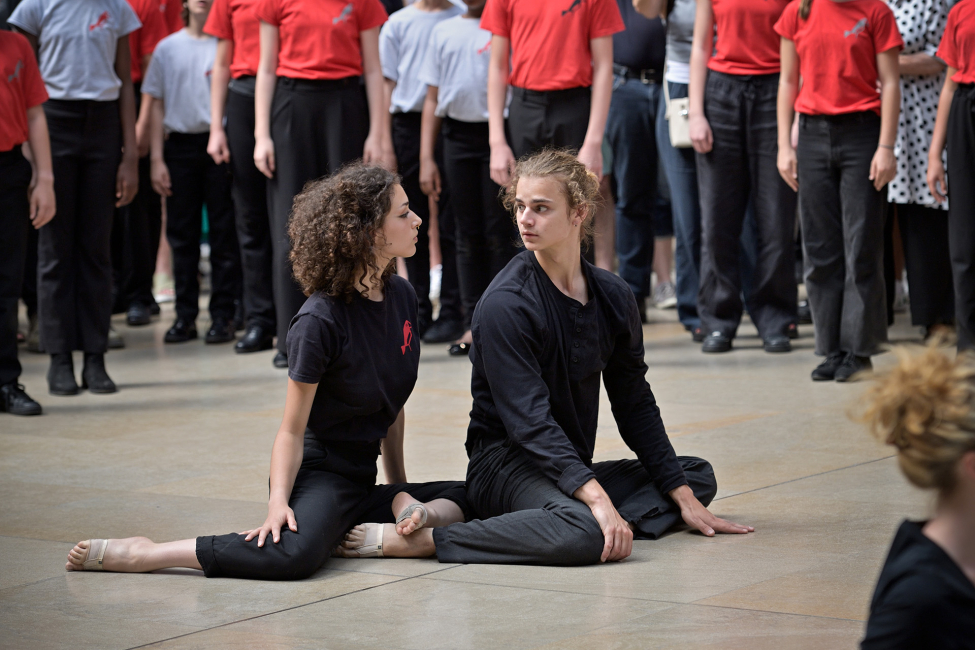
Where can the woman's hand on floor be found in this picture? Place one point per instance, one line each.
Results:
(278, 515)
(697, 516)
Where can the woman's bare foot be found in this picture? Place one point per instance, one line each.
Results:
(120, 555)
(400, 503)
(440, 512)
(393, 545)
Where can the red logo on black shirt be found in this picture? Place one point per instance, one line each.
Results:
(98, 23)
(407, 336)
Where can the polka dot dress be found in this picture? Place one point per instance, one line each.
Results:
(921, 24)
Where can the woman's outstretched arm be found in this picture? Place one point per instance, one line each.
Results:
(286, 457)
(394, 463)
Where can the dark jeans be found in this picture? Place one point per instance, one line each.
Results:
(924, 231)
(631, 131)
(15, 174)
(250, 211)
(523, 518)
(334, 490)
(842, 232)
(961, 208)
(197, 180)
(317, 126)
(406, 143)
(74, 277)
(486, 233)
(554, 118)
(741, 167)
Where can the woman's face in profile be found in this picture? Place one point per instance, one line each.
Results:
(401, 226)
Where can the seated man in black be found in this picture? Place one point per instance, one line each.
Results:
(545, 330)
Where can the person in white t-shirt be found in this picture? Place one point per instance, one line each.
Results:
(178, 81)
(84, 56)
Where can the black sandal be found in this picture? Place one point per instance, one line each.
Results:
(459, 349)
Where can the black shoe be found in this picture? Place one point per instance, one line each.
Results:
(444, 331)
(280, 360)
(138, 314)
(221, 331)
(641, 305)
(15, 401)
(181, 331)
(154, 308)
(851, 366)
(459, 349)
(94, 377)
(777, 343)
(256, 339)
(60, 376)
(826, 371)
(716, 342)
(804, 313)
(793, 331)
(697, 335)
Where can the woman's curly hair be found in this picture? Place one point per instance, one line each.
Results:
(925, 407)
(580, 187)
(333, 229)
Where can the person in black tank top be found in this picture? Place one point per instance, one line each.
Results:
(925, 596)
(353, 361)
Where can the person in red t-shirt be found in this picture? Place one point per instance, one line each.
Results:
(235, 24)
(841, 51)
(955, 126)
(24, 200)
(311, 115)
(732, 128)
(561, 62)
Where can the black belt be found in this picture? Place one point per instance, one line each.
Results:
(647, 76)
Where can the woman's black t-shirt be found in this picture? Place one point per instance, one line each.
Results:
(363, 355)
(923, 599)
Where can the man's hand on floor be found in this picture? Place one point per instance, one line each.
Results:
(616, 532)
(697, 516)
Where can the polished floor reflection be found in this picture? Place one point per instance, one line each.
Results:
(183, 449)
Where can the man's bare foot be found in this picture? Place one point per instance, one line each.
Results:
(393, 545)
(122, 555)
(415, 521)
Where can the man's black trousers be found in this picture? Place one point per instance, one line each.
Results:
(961, 210)
(15, 174)
(523, 518)
(197, 180)
(553, 118)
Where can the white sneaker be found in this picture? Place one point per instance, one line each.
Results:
(665, 296)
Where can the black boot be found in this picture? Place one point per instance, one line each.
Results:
(94, 377)
(15, 401)
(60, 376)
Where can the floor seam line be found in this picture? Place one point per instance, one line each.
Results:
(803, 478)
(769, 611)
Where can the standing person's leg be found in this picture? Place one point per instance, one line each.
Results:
(15, 175)
(773, 299)
(864, 317)
(567, 118)
(500, 231)
(253, 227)
(724, 183)
(142, 222)
(451, 313)
(924, 230)
(629, 130)
(681, 172)
(224, 250)
(184, 224)
(822, 235)
(526, 122)
(961, 207)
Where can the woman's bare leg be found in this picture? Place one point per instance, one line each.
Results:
(138, 555)
(419, 544)
(440, 512)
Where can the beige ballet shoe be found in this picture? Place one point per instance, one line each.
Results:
(96, 555)
(408, 512)
(372, 546)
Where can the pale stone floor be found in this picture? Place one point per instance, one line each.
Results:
(183, 449)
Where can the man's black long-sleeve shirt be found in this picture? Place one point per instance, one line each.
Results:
(538, 355)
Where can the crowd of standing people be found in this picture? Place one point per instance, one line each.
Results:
(727, 133)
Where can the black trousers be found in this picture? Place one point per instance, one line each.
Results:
(251, 213)
(197, 180)
(741, 167)
(554, 118)
(487, 237)
(317, 126)
(842, 232)
(334, 490)
(406, 143)
(15, 174)
(924, 231)
(523, 518)
(74, 277)
(135, 240)
(961, 210)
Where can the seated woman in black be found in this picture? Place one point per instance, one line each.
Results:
(925, 597)
(546, 329)
(353, 363)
